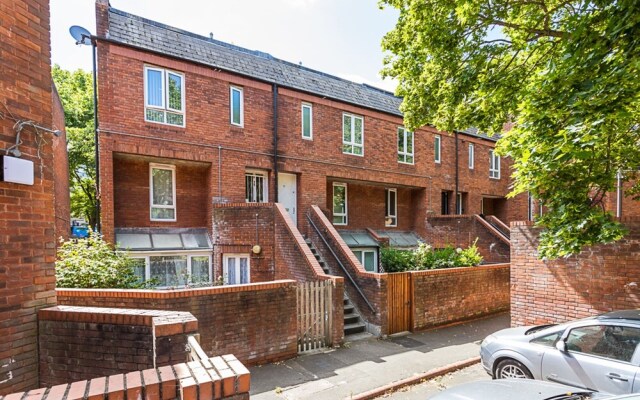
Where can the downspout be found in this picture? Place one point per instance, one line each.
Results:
(94, 49)
(275, 138)
(457, 177)
(619, 196)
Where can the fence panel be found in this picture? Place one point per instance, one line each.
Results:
(314, 302)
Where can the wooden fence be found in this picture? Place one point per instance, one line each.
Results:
(314, 301)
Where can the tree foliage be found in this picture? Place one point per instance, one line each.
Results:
(565, 73)
(76, 93)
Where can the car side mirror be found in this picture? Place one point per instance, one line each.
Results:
(561, 345)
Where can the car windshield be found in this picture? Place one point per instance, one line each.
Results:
(572, 396)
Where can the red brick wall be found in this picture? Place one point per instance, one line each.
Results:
(60, 170)
(450, 295)
(27, 213)
(84, 343)
(255, 322)
(601, 278)
(462, 231)
(131, 193)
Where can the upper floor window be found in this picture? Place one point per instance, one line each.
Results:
(236, 105)
(391, 206)
(256, 190)
(339, 203)
(352, 135)
(307, 121)
(437, 148)
(494, 165)
(405, 146)
(163, 96)
(163, 192)
(472, 156)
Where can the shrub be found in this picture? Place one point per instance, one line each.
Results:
(425, 257)
(93, 263)
(394, 260)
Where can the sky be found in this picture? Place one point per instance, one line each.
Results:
(339, 37)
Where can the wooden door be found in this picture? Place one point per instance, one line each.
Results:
(400, 302)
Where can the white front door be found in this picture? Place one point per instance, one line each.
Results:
(287, 195)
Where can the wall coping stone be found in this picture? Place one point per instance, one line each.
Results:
(460, 270)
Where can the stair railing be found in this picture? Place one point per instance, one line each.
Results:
(344, 269)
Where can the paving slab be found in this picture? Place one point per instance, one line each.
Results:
(361, 366)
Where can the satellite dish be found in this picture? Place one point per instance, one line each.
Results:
(81, 35)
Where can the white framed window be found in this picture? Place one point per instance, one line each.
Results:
(472, 155)
(236, 269)
(162, 192)
(494, 165)
(164, 96)
(368, 258)
(256, 186)
(307, 121)
(352, 134)
(391, 207)
(340, 203)
(437, 147)
(236, 105)
(173, 269)
(405, 146)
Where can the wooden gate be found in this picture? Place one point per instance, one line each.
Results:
(315, 322)
(400, 302)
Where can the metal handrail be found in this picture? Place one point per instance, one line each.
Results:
(340, 263)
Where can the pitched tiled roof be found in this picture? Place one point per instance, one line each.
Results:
(150, 35)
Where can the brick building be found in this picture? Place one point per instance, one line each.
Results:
(187, 122)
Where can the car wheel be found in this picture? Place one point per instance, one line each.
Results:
(512, 369)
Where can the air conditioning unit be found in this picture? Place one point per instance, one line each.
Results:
(17, 170)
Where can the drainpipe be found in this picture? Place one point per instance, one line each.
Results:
(94, 49)
(619, 196)
(457, 175)
(275, 138)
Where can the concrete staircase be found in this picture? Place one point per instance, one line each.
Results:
(353, 323)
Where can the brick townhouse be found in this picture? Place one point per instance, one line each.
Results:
(187, 122)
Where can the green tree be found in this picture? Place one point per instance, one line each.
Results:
(76, 93)
(565, 73)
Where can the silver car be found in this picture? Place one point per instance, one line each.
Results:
(598, 353)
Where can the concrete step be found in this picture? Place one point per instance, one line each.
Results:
(357, 336)
(350, 319)
(357, 327)
(349, 309)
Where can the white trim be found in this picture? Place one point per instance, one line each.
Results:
(364, 250)
(494, 165)
(310, 107)
(241, 91)
(437, 149)
(345, 215)
(146, 255)
(225, 268)
(405, 135)
(388, 192)
(352, 143)
(165, 96)
(265, 185)
(472, 156)
(171, 168)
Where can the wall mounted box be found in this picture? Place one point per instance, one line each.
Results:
(17, 170)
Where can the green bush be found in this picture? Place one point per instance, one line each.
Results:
(425, 257)
(93, 263)
(394, 260)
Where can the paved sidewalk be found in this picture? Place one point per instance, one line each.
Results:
(368, 364)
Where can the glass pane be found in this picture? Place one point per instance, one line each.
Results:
(338, 199)
(409, 159)
(133, 241)
(409, 142)
(437, 148)
(163, 213)
(392, 202)
(139, 267)
(235, 106)
(175, 119)
(547, 340)
(369, 263)
(154, 88)
(346, 129)
(248, 188)
(231, 271)
(357, 150)
(357, 130)
(200, 269)
(244, 270)
(306, 122)
(166, 241)
(155, 115)
(195, 240)
(358, 254)
(339, 219)
(162, 186)
(259, 189)
(401, 158)
(175, 92)
(169, 270)
(347, 149)
(400, 140)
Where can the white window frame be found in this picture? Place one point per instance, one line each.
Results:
(345, 215)
(353, 134)
(459, 203)
(225, 268)
(405, 153)
(364, 250)
(437, 149)
(472, 155)
(265, 186)
(494, 165)
(302, 108)
(171, 168)
(165, 94)
(241, 91)
(388, 213)
(147, 262)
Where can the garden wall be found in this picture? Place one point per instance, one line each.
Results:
(444, 296)
(601, 278)
(255, 322)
